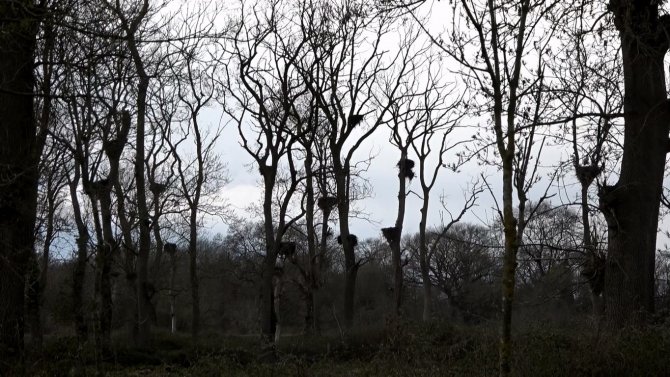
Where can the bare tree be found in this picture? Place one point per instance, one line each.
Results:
(266, 88)
(498, 35)
(343, 69)
(201, 176)
(629, 278)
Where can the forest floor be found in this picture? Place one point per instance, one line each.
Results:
(410, 350)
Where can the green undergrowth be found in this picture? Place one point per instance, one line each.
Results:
(407, 350)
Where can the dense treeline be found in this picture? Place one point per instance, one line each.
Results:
(112, 115)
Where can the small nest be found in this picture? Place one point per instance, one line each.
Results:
(114, 148)
(391, 234)
(96, 187)
(353, 240)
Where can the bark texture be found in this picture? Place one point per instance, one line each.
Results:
(631, 206)
(18, 165)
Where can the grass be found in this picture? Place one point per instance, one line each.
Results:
(410, 350)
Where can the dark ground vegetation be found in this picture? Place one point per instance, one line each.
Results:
(434, 349)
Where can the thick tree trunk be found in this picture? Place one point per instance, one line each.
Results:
(631, 206)
(268, 315)
(349, 295)
(277, 293)
(350, 264)
(103, 283)
(18, 165)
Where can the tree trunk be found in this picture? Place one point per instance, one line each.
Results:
(350, 265)
(103, 270)
(424, 260)
(393, 236)
(81, 258)
(193, 275)
(18, 165)
(268, 315)
(277, 293)
(509, 266)
(312, 278)
(631, 206)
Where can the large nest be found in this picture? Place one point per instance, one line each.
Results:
(286, 249)
(326, 202)
(170, 248)
(157, 188)
(406, 167)
(96, 187)
(392, 234)
(586, 174)
(354, 119)
(353, 240)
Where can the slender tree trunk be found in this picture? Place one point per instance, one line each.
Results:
(312, 278)
(631, 206)
(509, 266)
(18, 165)
(193, 274)
(173, 295)
(81, 258)
(393, 236)
(424, 260)
(595, 269)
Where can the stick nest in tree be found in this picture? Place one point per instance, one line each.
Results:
(391, 234)
(353, 240)
(326, 202)
(406, 167)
